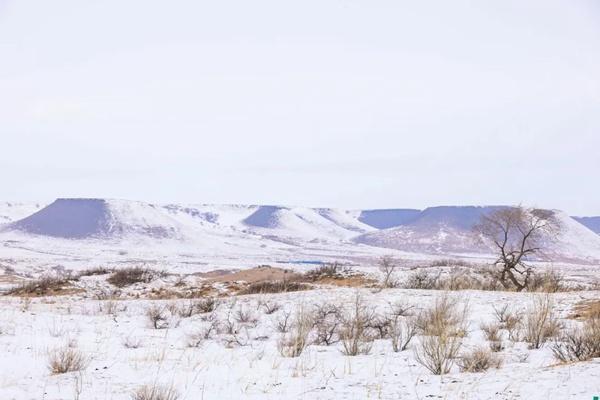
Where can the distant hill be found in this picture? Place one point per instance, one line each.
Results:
(592, 223)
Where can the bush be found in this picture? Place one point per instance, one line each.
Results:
(326, 322)
(293, 343)
(493, 334)
(437, 353)
(66, 359)
(401, 332)
(422, 280)
(274, 287)
(332, 270)
(548, 282)
(129, 276)
(355, 328)
(540, 323)
(157, 316)
(479, 360)
(45, 285)
(155, 392)
(443, 318)
(95, 271)
(579, 344)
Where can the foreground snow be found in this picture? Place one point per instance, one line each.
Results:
(256, 370)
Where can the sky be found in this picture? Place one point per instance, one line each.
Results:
(353, 104)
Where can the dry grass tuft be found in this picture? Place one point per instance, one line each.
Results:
(154, 392)
(540, 323)
(355, 333)
(45, 286)
(293, 343)
(66, 359)
(479, 360)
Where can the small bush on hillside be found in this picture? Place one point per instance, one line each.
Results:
(274, 287)
(444, 317)
(331, 270)
(129, 276)
(478, 360)
(95, 271)
(42, 286)
(548, 282)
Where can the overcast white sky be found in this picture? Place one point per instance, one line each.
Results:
(361, 104)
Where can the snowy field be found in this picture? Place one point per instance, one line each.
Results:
(241, 356)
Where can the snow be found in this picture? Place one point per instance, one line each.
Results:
(256, 370)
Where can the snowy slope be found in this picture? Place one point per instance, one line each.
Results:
(13, 211)
(592, 223)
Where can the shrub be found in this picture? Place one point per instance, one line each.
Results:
(437, 353)
(540, 323)
(45, 285)
(282, 323)
(549, 282)
(478, 360)
(129, 276)
(493, 334)
(95, 271)
(401, 332)
(157, 316)
(270, 307)
(354, 333)
(421, 280)
(326, 322)
(579, 344)
(331, 270)
(443, 318)
(274, 287)
(387, 267)
(293, 343)
(66, 359)
(154, 392)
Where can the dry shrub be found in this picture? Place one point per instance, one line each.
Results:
(422, 280)
(444, 317)
(355, 331)
(387, 267)
(326, 322)
(270, 307)
(66, 359)
(401, 331)
(155, 392)
(132, 342)
(95, 271)
(579, 344)
(282, 323)
(111, 307)
(548, 282)
(540, 323)
(158, 316)
(274, 287)
(131, 275)
(45, 285)
(478, 360)
(331, 270)
(437, 353)
(293, 343)
(245, 316)
(493, 334)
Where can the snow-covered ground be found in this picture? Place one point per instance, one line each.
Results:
(254, 369)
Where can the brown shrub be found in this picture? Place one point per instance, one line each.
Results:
(479, 360)
(274, 287)
(43, 286)
(540, 322)
(154, 392)
(66, 359)
(355, 328)
(579, 344)
(293, 343)
(131, 275)
(444, 317)
(438, 353)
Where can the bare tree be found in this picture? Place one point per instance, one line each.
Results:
(387, 266)
(517, 234)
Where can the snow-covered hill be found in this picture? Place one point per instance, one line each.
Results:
(91, 231)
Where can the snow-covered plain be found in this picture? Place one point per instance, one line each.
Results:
(123, 351)
(255, 369)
